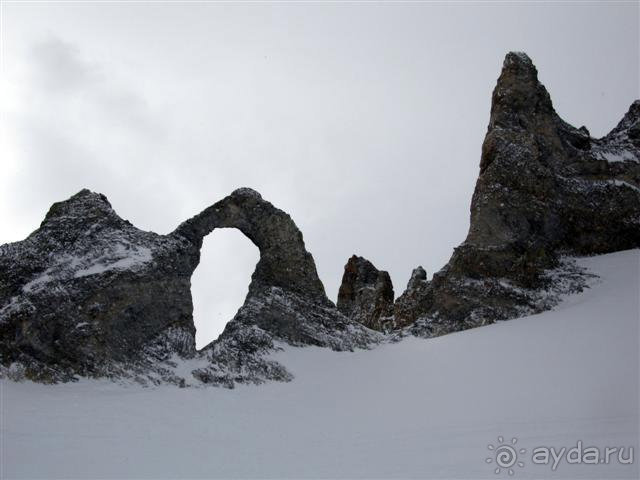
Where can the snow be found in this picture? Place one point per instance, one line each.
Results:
(131, 257)
(417, 408)
(620, 156)
(622, 183)
(36, 283)
(123, 256)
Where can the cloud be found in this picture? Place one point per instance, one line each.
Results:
(87, 91)
(73, 124)
(57, 67)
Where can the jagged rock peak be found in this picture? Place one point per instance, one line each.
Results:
(418, 276)
(545, 190)
(246, 192)
(518, 97)
(366, 294)
(360, 269)
(83, 204)
(629, 125)
(519, 62)
(407, 305)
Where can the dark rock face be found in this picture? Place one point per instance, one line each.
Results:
(545, 189)
(366, 294)
(410, 300)
(284, 261)
(286, 297)
(545, 186)
(89, 294)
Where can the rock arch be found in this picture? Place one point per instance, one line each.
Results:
(286, 299)
(88, 293)
(284, 261)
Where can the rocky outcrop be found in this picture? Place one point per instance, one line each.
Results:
(89, 294)
(545, 190)
(410, 300)
(366, 294)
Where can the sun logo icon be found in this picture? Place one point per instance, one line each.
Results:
(505, 455)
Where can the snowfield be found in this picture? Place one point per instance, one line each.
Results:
(415, 409)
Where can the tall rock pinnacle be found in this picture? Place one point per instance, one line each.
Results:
(366, 294)
(545, 189)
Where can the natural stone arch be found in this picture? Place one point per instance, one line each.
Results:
(286, 298)
(284, 261)
(88, 293)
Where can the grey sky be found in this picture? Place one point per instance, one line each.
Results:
(363, 121)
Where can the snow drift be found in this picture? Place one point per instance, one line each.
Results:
(420, 408)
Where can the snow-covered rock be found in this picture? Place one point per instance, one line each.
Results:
(89, 294)
(545, 190)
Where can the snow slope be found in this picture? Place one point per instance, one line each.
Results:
(415, 409)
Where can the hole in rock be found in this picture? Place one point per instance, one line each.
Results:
(220, 283)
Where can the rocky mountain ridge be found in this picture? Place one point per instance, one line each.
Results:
(546, 191)
(90, 295)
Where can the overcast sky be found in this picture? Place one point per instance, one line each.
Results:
(363, 121)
